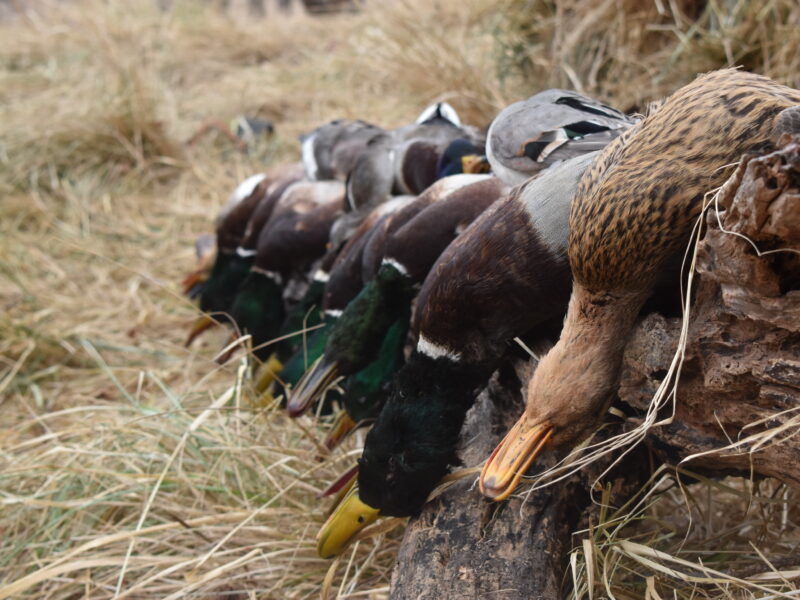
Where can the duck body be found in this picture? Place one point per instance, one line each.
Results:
(633, 214)
(237, 231)
(504, 276)
(402, 161)
(409, 243)
(547, 128)
(425, 229)
(331, 150)
(295, 235)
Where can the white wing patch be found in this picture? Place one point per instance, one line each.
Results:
(443, 109)
(246, 187)
(309, 160)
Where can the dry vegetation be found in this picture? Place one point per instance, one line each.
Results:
(133, 468)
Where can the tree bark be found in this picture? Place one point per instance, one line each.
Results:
(741, 376)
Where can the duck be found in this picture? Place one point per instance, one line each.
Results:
(331, 150)
(549, 127)
(462, 156)
(342, 282)
(421, 231)
(632, 215)
(334, 283)
(294, 237)
(306, 314)
(401, 161)
(251, 202)
(506, 275)
(511, 258)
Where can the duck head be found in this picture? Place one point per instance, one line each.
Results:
(366, 391)
(227, 274)
(570, 390)
(413, 443)
(359, 335)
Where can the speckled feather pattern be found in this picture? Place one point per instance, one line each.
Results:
(636, 205)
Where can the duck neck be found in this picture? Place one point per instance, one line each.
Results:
(362, 327)
(306, 314)
(438, 392)
(258, 309)
(366, 390)
(601, 321)
(574, 382)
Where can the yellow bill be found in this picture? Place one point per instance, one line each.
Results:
(350, 517)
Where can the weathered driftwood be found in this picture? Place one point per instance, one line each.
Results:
(741, 377)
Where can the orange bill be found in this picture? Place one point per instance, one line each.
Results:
(312, 385)
(343, 425)
(192, 279)
(474, 164)
(199, 326)
(228, 350)
(512, 457)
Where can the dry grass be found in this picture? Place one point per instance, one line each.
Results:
(131, 467)
(711, 539)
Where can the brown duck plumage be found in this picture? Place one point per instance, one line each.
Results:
(634, 210)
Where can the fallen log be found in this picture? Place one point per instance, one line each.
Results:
(737, 406)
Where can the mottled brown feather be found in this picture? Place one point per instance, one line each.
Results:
(636, 205)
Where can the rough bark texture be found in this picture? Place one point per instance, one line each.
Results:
(741, 377)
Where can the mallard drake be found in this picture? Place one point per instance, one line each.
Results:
(633, 214)
(343, 281)
(506, 275)
(295, 235)
(331, 150)
(549, 127)
(421, 231)
(239, 223)
(402, 161)
(462, 156)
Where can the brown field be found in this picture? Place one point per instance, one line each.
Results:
(131, 467)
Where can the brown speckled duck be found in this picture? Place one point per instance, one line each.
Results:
(633, 213)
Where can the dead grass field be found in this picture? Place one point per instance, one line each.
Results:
(131, 467)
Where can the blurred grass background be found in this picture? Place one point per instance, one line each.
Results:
(131, 467)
